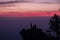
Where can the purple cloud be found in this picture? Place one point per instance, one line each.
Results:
(32, 0)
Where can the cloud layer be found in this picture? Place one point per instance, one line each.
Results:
(32, 0)
(22, 7)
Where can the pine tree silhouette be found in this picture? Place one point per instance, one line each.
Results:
(54, 23)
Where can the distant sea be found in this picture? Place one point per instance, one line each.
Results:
(10, 27)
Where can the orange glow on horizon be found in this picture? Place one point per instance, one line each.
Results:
(28, 14)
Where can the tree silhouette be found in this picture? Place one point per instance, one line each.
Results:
(54, 23)
(48, 31)
(33, 34)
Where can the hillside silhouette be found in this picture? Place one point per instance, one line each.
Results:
(35, 33)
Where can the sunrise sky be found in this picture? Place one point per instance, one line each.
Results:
(29, 7)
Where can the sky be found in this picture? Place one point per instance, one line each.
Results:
(32, 0)
(31, 6)
(6, 0)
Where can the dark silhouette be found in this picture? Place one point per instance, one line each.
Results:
(35, 33)
(55, 25)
